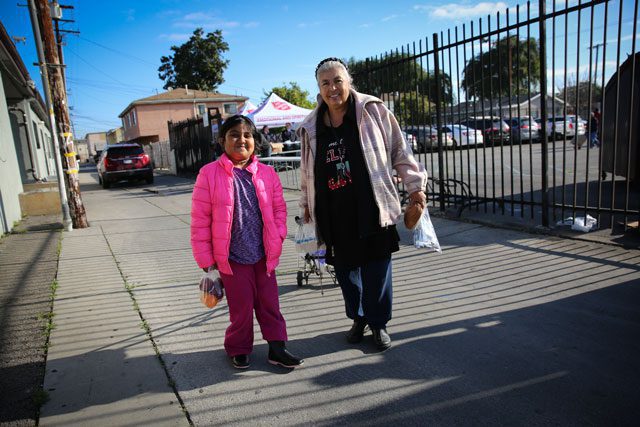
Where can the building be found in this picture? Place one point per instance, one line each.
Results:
(95, 142)
(115, 136)
(26, 149)
(515, 106)
(145, 120)
(82, 149)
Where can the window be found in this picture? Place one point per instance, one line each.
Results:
(35, 134)
(133, 117)
(202, 109)
(230, 108)
(127, 121)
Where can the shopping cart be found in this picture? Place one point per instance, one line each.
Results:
(313, 261)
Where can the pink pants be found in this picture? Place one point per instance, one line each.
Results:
(248, 289)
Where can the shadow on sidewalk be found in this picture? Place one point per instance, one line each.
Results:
(571, 361)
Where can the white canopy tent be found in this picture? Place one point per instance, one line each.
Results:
(275, 111)
(247, 108)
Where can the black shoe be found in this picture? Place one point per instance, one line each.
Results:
(279, 355)
(381, 338)
(240, 361)
(355, 334)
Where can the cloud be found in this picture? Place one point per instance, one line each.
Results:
(205, 20)
(309, 24)
(389, 18)
(461, 11)
(251, 24)
(130, 15)
(365, 26)
(175, 37)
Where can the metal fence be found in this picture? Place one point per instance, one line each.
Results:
(554, 63)
(192, 144)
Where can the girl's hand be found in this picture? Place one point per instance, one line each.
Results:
(307, 215)
(207, 269)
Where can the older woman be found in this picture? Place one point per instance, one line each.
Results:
(350, 144)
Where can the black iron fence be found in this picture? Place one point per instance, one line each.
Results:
(192, 143)
(532, 112)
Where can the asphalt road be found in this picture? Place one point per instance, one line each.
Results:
(513, 173)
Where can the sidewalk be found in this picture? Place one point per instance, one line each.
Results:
(502, 328)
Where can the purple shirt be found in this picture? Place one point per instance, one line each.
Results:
(246, 245)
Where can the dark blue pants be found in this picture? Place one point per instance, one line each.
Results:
(367, 292)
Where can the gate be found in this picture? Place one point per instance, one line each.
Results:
(532, 82)
(192, 145)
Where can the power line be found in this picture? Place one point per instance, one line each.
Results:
(118, 51)
(95, 68)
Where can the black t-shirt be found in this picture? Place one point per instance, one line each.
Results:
(347, 214)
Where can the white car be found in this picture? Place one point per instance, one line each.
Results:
(426, 138)
(464, 136)
(565, 127)
(411, 141)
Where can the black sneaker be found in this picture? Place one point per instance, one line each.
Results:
(355, 334)
(240, 361)
(279, 355)
(381, 338)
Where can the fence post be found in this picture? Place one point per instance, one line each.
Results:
(436, 65)
(542, 8)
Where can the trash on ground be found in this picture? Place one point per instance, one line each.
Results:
(579, 224)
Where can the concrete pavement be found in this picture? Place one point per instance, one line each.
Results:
(504, 328)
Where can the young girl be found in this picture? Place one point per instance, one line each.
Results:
(238, 224)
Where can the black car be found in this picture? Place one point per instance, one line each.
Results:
(124, 162)
(495, 131)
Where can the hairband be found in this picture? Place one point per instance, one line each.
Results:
(329, 60)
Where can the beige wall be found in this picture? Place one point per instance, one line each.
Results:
(96, 141)
(115, 136)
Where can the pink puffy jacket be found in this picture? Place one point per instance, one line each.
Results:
(212, 213)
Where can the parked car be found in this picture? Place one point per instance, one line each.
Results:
(427, 138)
(411, 141)
(523, 129)
(124, 162)
(464, 136)
(494, 130)
(561, 127)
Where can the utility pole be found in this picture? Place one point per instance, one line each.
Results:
(595, 71)
(59, 33)
(64, 203)
(60, 104)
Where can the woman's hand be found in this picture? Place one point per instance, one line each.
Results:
(418, 197)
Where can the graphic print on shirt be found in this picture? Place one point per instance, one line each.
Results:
(339, 175)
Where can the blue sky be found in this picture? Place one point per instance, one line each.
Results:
(115, 58)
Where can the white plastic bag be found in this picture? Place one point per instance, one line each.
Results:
(211, 288)
(579, 223)
(306, 241)
(424, 235)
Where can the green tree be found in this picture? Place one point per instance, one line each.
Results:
(488, 75)
(580, 93)
(413, 110)
(197, 63)
(398, 73)
(292, 93)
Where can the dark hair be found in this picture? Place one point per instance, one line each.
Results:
(233, 121)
